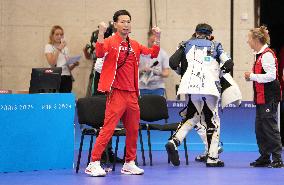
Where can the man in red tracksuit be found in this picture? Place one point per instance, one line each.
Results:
(119, 80)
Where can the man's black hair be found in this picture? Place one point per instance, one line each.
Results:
(119, 13)
(204, 28)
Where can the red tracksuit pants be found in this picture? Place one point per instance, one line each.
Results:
(120, 105)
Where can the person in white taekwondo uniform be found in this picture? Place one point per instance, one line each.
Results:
(205, 68)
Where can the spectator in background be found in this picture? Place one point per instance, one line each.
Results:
(153, 71)
(90, 54)
(281, 67)
(56, 54)
(281, 79)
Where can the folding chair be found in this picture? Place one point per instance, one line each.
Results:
(154, 108)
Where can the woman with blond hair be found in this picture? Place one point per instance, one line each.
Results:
(56, 54)
(267, 95)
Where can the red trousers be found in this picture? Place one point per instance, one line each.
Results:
(120, 105)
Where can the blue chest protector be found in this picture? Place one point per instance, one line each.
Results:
(214, 49)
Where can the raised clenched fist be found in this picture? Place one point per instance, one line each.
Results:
(156, 31)
(102, 27)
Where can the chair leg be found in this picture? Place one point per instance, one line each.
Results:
(169, 156)
(90, 149)
(115, 153)
(124, 153)
(80, 152)
(185, 151)
(107, 158)
(149, 145)
(136, 161)
(142, 147)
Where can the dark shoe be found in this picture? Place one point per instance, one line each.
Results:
(201, 158)
(173, 153)
(117, 160)
(276, 164)
(104, 159)
(215, 163)
(111, 158)
(261, 162)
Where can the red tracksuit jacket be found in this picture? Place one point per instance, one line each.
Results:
(110, 50)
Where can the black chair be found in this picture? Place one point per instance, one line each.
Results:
(154, 108)
(91, 112)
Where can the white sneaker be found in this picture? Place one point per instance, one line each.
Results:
(130, 168)
(94, 169)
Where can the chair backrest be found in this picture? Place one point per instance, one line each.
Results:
(91, 111)
(153, 108)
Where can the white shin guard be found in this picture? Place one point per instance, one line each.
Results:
(182, 132)
(201, 131)
(214, 146)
